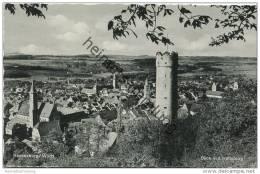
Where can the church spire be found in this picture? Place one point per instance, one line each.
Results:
(146, 89)
(114, 80)
(33, 106)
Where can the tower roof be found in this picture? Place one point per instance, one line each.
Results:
(167, 59)
(24, 108)
(146, 81)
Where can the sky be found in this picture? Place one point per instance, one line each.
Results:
(67, 26)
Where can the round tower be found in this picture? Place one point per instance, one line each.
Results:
(166, 86)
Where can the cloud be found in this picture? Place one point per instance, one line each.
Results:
(68, 36)
(58, 20)
(67, 29)
(28, 49)
(33, 49)
(80, 27)
(194, 45)
(114, 46)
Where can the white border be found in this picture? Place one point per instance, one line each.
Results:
(118, 170)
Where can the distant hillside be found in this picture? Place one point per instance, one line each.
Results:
(80, 57)
(112, 57)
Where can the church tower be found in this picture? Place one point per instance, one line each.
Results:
(95, 88)
(146, 89)
(34, 118)
(166, 86)
(114, 80)
(214, 87)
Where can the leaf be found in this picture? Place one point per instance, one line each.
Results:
(150, 22)
(165, 40)
(160, 34)
(146, 24)
(187, 23)
(169, 11)
(184, 10)
(44, 6)
(119, 17)
(133, 21)
(161, 28)
(159, 53)
(123, 11)
(181, 19)
(134, 33)
(10, 7)
(216, 25)
(110, 25)
(253, 26)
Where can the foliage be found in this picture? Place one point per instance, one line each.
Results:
(112, 66)
(147, 13)
(30, 9)
(237, 18)
(228, 128)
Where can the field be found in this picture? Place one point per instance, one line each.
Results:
(41, 67)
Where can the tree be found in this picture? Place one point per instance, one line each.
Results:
(228, 128)
(237, 18)
(30, 9)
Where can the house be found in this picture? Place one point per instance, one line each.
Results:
(108, 115)
(89, 91)
(30, 115)
(69, 115)
(11, 124)
(183, 112)
(45, 129)
(194, 109)
(18, 90)
(47, 112)
(30, 144)
(123, 88)
(214, 94)
(104, 92)
(235, 86)
(214, 87)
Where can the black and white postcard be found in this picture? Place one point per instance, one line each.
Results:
(129, 85)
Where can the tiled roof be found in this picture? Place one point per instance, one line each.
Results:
(67, 111)
(47, 109)
(16, 120)
(214, 93)
(88, 91)
(45, 128)
(24, 108)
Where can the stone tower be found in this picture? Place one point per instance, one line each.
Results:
(214, 87)
(34, 118)
(114, 80)
(95, 88)
(166, 86)
(146, 89)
